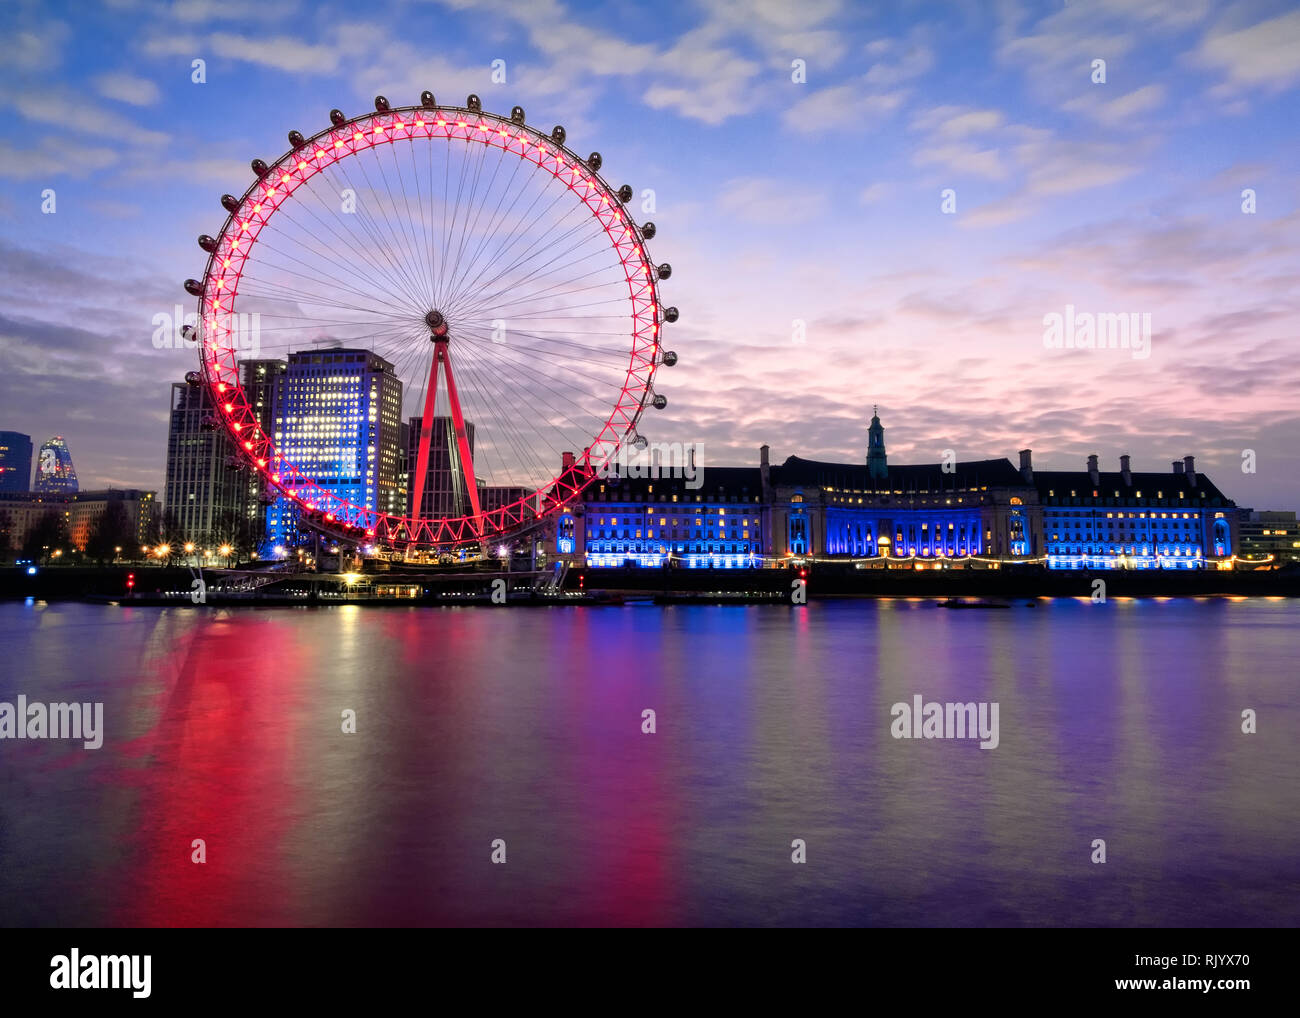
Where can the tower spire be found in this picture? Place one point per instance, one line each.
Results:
(877, 462)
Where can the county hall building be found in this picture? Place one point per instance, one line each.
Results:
(982, 513)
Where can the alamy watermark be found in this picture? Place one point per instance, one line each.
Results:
(25, 720)
(919, 720)
(656, 460)
(229, 330)
(1104, 331)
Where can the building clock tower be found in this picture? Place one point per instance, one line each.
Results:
(877, 464)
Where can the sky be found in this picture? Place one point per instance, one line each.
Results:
(862, 204)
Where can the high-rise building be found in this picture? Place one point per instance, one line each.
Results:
(15, 461)
(206, 494)
(54, 470)
(261, 380)
(445, 492)
(337, 419)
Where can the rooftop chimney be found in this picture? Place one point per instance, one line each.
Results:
(1189, 468)
(1092, 470)
(567, 460)
(1027, 465)
(763, 453)
(765, 471)
(1125, 471)
(1178, 466)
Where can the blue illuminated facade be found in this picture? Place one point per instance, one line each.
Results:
(337, 418)
(952, 514)
(1127, 520)
(714, 521)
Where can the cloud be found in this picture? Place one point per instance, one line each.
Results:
(1115, 112)
(767, 201)
(956, 122)
(58, 108)
(284, 53)
(127, 88)
(849, 106)
(50, 159)
(1265, 55)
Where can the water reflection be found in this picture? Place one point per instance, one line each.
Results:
(1119, 722)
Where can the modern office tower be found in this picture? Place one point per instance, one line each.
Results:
(445, 493)
(337, 419)
(54, 470)
(206, 494)
(15, 461)
(261, 380)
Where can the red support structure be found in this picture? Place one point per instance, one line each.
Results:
(442, 360)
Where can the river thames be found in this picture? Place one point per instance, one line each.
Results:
(523, 728)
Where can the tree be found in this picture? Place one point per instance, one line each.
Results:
(165, 530)
(49, 533)
(112, 530)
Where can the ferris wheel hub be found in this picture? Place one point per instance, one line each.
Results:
(437, 325)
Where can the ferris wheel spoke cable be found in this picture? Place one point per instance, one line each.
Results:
(403, 274)
(508, 416)
(549, 238)
(348, 243)
(487, 408)
(378, 285)
(408, 221)
(403, 249)
(399, 270)
(542, 235)
(617, 357)
(463, 270)
(449, 223)
(371, 289)
(471, 204)
(302, 275)
(566, 378)
(553, 292)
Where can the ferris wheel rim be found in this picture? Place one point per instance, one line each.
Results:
(275, 183)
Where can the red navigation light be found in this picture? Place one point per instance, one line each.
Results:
(130, 580)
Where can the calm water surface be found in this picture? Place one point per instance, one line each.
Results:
(1117, 721)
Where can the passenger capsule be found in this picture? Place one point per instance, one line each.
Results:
(230, 203)
(381, 104)
(659, 401)
(558, 135)
(669, 358)
(665, 270)
(625, 193)
(337, 117)
(594, 162)
(670, 314)
(194, 288)
(517, 115)
(647, 231)
(209, 244)
(427, 100)
(474, 103)
(296, 139)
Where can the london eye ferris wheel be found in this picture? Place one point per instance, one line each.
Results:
(491, 266)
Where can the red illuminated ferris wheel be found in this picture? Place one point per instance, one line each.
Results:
(489, 265)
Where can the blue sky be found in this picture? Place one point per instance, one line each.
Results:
(778, 202)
